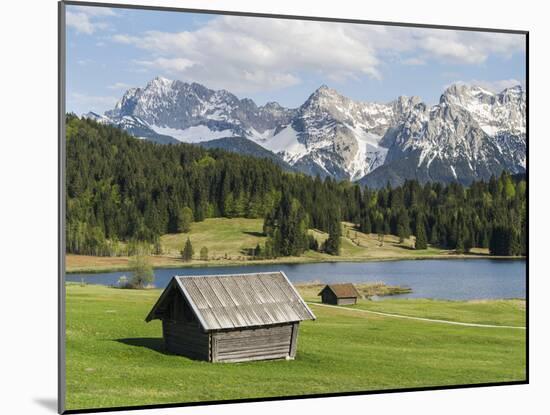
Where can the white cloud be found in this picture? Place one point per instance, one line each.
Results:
(119, 85)
(83, 19)
(93, 102)
(171, 65)
(446, 46)
(495, 86)
(93, 10)
(80, 22)
(453, 50)
(245, 54)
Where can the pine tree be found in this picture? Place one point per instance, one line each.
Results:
(434, 235)
(468, 240)
(365, 226)
(268, 249)
(460, 244)
(401, 233)
(184, 220)
(287, 225)
(386, 227)
(229, 206)
(313, 243)
(157, 246)
(333, 243)
(515, 244)
(421, 242)
(204, 253)
(187, 251)
(503, 241)
(258, 251)
(403, 225)
(119, 206)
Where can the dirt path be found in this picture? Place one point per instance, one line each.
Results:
(431, 320)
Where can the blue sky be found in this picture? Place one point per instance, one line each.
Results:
(111, 50)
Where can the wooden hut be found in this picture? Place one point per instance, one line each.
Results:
(339, 294)
(231, 318)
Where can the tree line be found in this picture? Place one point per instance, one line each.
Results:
(124, 193)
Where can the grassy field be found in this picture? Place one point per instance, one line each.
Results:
(228, 241)
(114, 358)
(504, 312)
(224, 238)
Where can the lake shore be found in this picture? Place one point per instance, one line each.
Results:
(229, 242)
(442, 279)
(79, 264)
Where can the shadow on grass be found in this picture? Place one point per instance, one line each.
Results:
(157, 345)
(251, 233)
(153, 343)
(405, 247)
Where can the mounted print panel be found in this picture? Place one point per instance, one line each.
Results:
(258, 207)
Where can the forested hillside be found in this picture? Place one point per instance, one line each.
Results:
(120, 188)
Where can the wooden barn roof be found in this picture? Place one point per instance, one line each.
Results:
(346, 290)
(242, 300)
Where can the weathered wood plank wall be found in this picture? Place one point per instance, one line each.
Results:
(346, 301)
(186, 339)
(294, 340)
(252, 344)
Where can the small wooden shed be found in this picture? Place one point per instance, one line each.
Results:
(231, 318)
(339, 294)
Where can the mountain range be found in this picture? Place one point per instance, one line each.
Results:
(470, 134)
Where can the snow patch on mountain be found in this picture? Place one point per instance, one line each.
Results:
(286, 144)
(369, 156)
(255, 135)
(196, 134)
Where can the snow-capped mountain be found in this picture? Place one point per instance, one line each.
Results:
(341, 137)
(194, 113)
(471, 134)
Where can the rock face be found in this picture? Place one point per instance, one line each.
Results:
(342, 137)
(470, 134)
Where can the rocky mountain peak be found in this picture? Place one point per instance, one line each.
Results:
(470, 134)
(160, 82)
(323, 96)
(515, 94)
(464, 94)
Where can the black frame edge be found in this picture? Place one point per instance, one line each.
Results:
(292, 17)
(292, 397)
(61, 328)
(527, 207)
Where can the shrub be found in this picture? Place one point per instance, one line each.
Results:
(142, 272)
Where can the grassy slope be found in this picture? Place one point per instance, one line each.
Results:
(220, 235)
(359, 351)
(504, 312)
(234, 236)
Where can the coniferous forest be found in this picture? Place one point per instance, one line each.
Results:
(120, 188)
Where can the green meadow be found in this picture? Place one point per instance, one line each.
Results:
(229, 241)
(114, 358)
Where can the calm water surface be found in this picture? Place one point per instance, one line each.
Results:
(442, 279)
